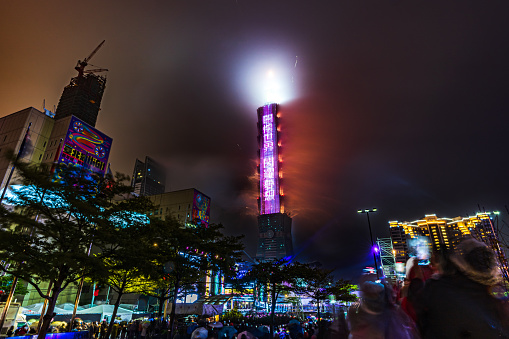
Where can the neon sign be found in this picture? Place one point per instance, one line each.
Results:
(85, 146)
(269, 169)
(201, 208)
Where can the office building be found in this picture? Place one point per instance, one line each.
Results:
(189, 206)
(274, 226)
(13, 129)
(82, 98)
(149, 177)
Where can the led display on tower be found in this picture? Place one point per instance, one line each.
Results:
(270, 193)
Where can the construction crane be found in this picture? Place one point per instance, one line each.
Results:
(80, 66)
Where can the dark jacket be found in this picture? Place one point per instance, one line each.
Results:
(454, 306)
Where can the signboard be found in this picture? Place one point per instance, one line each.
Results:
(201, 208)
(85, 146)
(269, 169)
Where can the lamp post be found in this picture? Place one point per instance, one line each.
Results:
(367, 211)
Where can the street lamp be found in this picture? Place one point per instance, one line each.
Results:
(367, 211)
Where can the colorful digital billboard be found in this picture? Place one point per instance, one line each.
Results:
(269, 160)
(201, 208)
(85, 146)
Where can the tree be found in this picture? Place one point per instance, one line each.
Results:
(126, 252)
(6, 284)
(278, 275)
(183, 255)
(319, 285)
(46, 234)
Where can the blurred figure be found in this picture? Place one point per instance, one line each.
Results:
(376, 316)
(10, 332)
(457, 303)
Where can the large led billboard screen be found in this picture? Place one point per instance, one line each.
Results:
(269, 166)
(85, 146)
(201, 209)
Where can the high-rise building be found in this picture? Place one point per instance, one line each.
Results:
(445, 233)
(13, 128)
(82, 98)
(149, 177)
(274, 226)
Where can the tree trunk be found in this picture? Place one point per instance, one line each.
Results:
(272, 310)
(49, 311)
(161, 304)
(320, 334)
(174, 306)
(318, 310)
(114, 315)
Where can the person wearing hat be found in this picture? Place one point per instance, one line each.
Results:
(459, 303)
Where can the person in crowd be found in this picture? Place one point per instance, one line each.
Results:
(123, 330)
(459, 303)
(115, 330)
(104, 329)
(376, 316)
(131, 330)
(10, 331)
(21, 331)
(200, 333)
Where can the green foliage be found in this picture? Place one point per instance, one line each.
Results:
(48, 235)
(319, 284)
(232, 316)
(6, 284)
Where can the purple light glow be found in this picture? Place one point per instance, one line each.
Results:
(269, 169)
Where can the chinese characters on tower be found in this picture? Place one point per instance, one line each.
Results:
(269, 166)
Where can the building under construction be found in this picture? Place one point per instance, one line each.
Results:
(82, 98)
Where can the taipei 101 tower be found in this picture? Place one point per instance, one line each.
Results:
(274, 226)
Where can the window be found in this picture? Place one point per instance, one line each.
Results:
(44, 145)
(40, 156)
(5, 138)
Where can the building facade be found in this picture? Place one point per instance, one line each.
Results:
(149, 177)
(189, 206)
(13, 129)
(445, 233)
(82, 98)
(274, 226)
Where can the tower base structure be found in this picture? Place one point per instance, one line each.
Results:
(274, 237)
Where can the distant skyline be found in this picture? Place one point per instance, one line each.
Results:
(396, 105)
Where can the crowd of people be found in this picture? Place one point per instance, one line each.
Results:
(459, 294)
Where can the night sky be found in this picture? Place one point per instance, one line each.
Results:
(399, 105)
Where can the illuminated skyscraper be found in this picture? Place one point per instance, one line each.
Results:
(274, 226)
